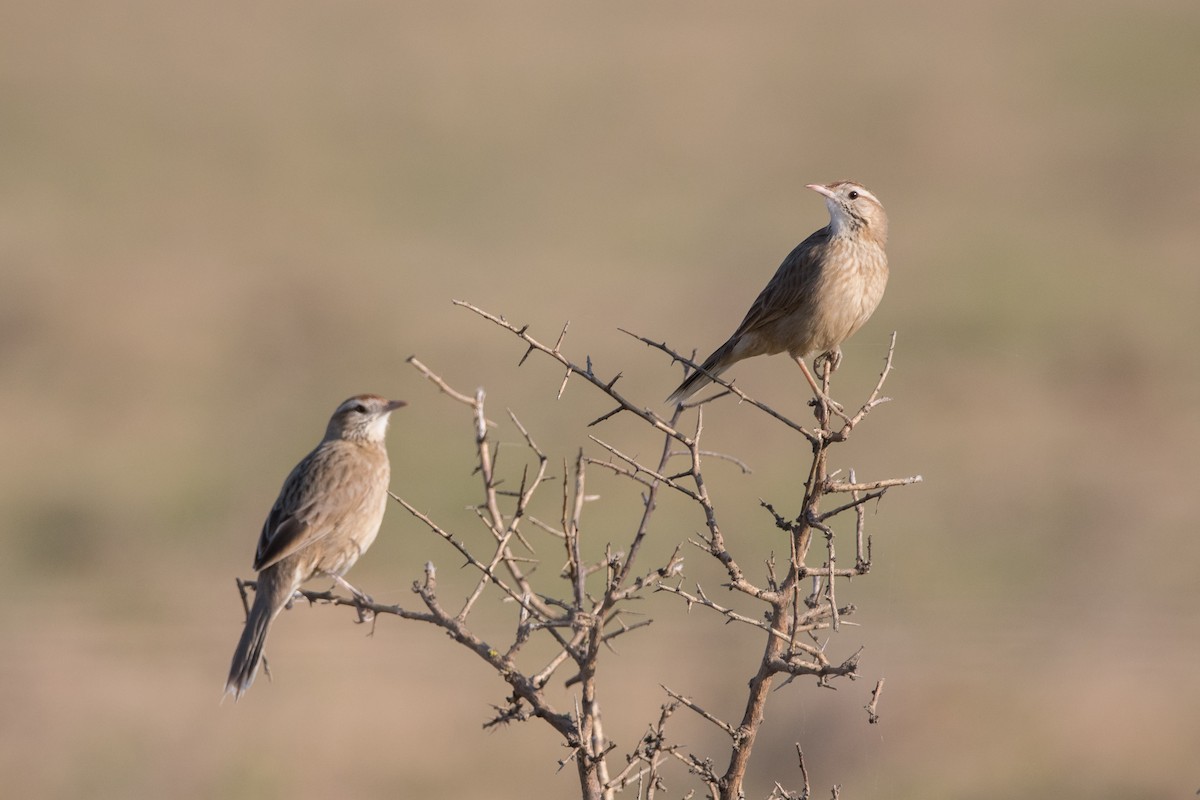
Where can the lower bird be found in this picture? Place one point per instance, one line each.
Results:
(823, 292)
(326, 516)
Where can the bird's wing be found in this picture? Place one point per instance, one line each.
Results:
(319, 493)
(786, 291)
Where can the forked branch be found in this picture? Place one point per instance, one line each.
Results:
(575, 608)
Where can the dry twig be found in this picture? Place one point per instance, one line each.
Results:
(582, 615)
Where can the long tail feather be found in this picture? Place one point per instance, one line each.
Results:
(248, 654)
(713, 366)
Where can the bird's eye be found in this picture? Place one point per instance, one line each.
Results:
(360, 408)
(853, 195)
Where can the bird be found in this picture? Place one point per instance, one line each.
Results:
(823, 292)
(327, 514)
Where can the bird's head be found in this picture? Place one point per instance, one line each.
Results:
(853, 210)
(363, 417)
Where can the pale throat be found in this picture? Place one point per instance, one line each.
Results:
(842, 224)
(376, 431)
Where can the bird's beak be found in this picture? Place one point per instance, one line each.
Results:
(820, 189)
(393, 405)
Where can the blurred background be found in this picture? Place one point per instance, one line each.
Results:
(217, 221)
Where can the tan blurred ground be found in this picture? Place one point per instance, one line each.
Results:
(217, 221)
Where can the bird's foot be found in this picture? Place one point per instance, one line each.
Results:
(364, 614)
(821, 401)
(827, 363)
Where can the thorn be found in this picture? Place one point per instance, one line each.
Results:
(612, 413)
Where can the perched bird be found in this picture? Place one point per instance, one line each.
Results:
(821, 294)
(327, 514)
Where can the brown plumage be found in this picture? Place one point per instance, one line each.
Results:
(821, 294)
(327, 514)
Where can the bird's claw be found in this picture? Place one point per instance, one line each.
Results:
(364, 614)
(828, 362)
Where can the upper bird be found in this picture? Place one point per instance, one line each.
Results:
(821, 294)
(327, 514)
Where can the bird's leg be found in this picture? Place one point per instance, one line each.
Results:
(364, 614)
(823, 398)
(808, 376)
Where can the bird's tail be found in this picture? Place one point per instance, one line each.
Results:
(248, 654)
(713, 366)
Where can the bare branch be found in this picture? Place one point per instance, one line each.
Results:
(803, 772)
(637, 467)
(441, 384)
(873, 706)
(701, 599)
(876, 397)
(729, 387)
(835, 486)
(645, 414)
(582, 610)
(725, 726)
